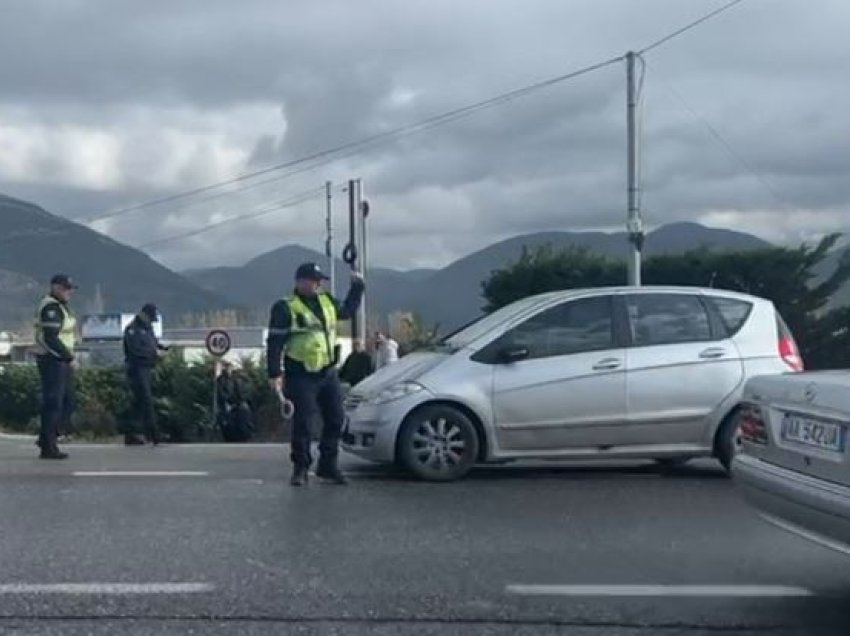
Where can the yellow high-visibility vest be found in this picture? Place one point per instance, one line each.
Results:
(311, 343)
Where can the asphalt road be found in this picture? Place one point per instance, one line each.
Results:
(113, 541)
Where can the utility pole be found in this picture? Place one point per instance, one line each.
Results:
(361, 261)
(351, 252)
(329, 241)
(634, 224)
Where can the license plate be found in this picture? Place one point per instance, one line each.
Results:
(815, 433)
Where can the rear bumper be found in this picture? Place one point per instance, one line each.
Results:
(812, 508)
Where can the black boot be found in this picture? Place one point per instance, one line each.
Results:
(53, 453)
(299, 476)
(329, 471)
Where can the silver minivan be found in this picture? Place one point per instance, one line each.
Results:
(607, 373)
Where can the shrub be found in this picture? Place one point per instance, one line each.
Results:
(183, 400)
(19, 397)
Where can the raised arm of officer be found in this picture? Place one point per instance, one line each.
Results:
(52, 320)
(280, 323)
(348, 307)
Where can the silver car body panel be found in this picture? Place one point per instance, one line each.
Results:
(799, 487)
(658, 401)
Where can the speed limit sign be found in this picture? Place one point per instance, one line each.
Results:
(218, 342)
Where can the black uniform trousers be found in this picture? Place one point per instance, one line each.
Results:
(57, 398)
(315, 394)
(140, 380)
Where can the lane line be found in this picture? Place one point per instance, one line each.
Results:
(105, 588)
(720, 591)
(140, 473)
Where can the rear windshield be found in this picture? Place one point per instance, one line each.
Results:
(732, 311)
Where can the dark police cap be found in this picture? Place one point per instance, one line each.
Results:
(150, 311)
(63, 280)
(310, 271)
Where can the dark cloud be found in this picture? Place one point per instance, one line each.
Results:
(103, 104)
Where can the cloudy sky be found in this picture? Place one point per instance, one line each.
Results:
(109, 103)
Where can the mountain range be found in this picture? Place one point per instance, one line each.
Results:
(35, 244)
(451, 296)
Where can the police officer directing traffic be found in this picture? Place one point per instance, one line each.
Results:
(303, 329)
(55, 337)
(141, 352)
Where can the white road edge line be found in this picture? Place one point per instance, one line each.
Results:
(105, 588)
(140, 473)
(747, 591)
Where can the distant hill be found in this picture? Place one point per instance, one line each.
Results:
(35, 244)
(269, 276)
(452, 295)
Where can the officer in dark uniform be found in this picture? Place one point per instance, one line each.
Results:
(141, 352)
(303, 329)
(55, 337)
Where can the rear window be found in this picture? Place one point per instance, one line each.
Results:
(733, 313)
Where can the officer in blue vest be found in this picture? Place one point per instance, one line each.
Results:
(55, 337)
(302, 330)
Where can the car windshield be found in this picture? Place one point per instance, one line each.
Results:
(485, 323)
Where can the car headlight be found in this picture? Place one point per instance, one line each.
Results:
(396, 392)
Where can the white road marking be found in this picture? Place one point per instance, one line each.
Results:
(802, 532)
(748, 591)
(140, 473)
(105, 588)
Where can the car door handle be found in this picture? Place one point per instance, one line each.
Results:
(608, 363)
(712, 352)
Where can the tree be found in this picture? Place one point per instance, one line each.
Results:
(786, 276)
(546, 269)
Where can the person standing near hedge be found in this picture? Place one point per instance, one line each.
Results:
(141, 353)
(55, 337)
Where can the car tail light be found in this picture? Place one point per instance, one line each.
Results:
(790, 354)
(752, 425)
(788, 350)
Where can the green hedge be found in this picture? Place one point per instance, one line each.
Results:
(184, 395)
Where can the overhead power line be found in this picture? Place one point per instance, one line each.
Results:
(329, 155)
(726, 145)
(288, 203)
(689, 26)
(332, 154)
(210, 197)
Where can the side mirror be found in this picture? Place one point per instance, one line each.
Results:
(510, 354)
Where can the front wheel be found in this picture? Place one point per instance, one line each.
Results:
(438, 443)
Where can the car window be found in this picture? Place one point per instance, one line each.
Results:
(482, 325)
(733, 312)
(657, 319)
(572, 327)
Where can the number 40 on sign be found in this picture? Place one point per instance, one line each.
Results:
(218, 342)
